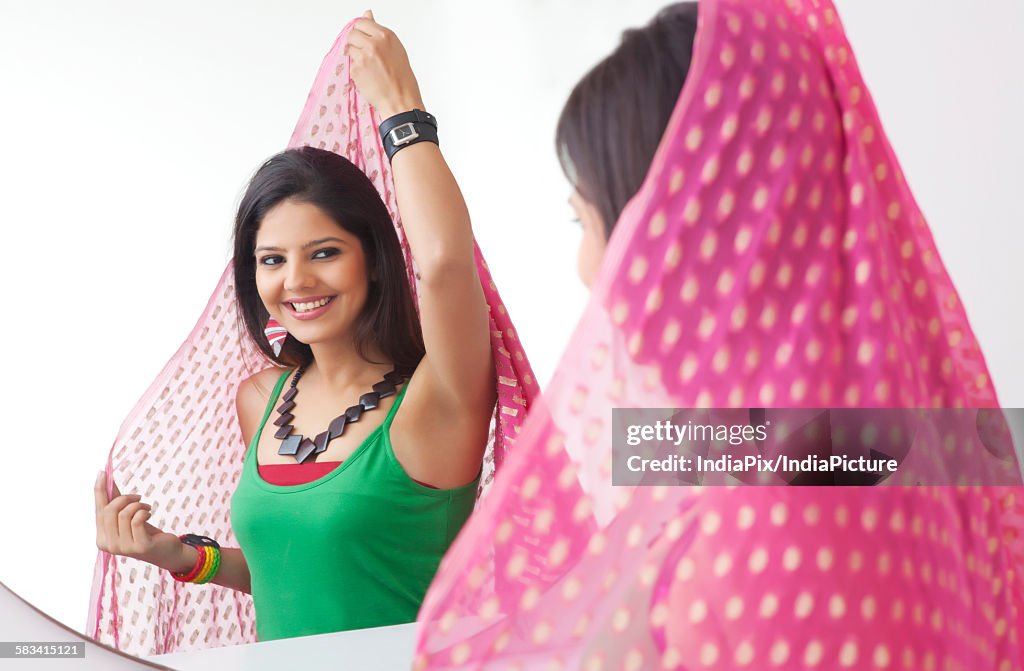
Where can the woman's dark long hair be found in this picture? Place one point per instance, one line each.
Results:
(333, 184)
(614, 118)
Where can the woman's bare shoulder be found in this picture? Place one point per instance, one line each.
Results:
(262, 382)
(252, 398)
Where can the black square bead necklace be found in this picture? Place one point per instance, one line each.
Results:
(302, 448)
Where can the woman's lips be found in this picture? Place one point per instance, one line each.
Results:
(309, 314)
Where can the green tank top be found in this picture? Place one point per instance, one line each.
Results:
(355, 548)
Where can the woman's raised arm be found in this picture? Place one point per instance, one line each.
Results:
(457, 369)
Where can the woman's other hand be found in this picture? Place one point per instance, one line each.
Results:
(122, 528)
(380, 68)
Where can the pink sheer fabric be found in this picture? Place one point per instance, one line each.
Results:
(181, 449)
(774, 258)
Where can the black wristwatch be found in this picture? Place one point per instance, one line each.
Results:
(407, 128)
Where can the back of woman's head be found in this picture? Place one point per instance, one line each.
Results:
(342, 191)
(614, 118)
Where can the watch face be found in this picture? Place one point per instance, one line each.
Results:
(404, 133)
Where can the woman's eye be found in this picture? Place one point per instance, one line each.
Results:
(271, 260)
(577, 221)
(326, 253)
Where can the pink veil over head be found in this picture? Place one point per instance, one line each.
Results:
(774, 257)
(180, 448)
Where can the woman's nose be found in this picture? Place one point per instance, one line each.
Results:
(299, 277)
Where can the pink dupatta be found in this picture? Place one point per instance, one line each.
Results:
(181, 449)
(775, 258)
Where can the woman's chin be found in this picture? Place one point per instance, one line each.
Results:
(319, 336)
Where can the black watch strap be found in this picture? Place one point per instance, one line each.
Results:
(412, 116)
(196, 540)
(406, 129)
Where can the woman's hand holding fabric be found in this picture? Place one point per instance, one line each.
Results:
(380, 68)
(122, 528)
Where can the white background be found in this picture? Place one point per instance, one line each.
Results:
(129, 129)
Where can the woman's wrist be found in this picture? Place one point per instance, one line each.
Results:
(391, 108)
(182, 561)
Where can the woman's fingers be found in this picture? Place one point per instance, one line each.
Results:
(140, 535)
(122, 526)
(109, 531)
(100, 492)
(380, 67)
(126, 536)
(368, 35)
(107, 517)
(366, 24)
(358, 40)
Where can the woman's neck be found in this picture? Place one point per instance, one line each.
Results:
(341, 365)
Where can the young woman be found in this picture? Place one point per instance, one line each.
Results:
(749, 242)
(366, 439)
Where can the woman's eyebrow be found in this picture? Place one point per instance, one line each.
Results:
(314, 243)
(311, 243)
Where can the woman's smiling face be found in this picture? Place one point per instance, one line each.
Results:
(310, 272)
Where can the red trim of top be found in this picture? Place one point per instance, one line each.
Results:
(287, 475)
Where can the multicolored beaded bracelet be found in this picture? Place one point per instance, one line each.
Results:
(214, 567)
(207, 563)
